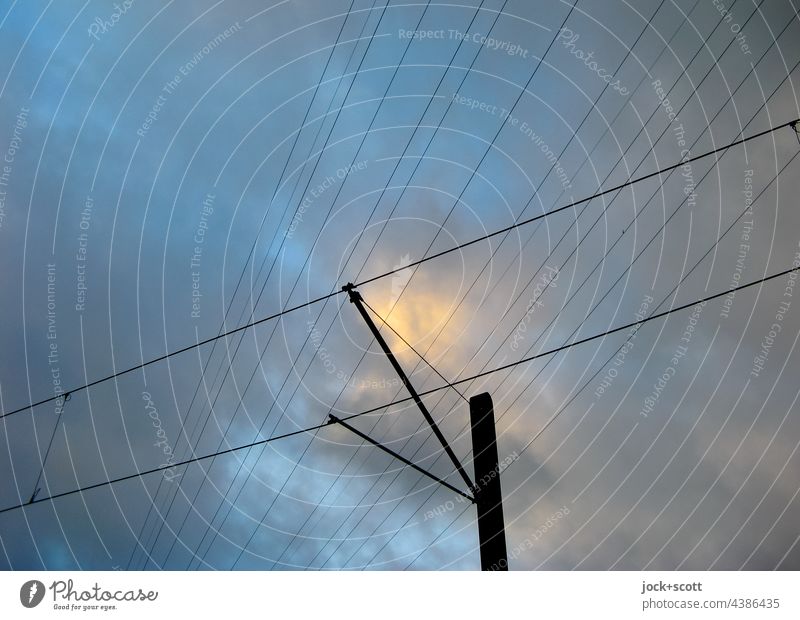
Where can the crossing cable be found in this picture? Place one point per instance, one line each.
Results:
(641, 33)
(642, 79)
(498, 13)
(297, 280)
(597, 372)
(636, 216)
(656, 234)
(477, 166)
(410, 346)
(455, 248)
(563, 407)
(364, 137)
(252, 250)
(309, 429)
(228, 367)
(64, 400)
(640, 130)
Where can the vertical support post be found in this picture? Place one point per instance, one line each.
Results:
(488, 495)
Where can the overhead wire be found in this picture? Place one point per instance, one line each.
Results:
(673, 292)
(791, 124)
(309, 429)
(333, 203)
(410, 265)
(250, 256)
(636, 216)
(608, 175)
(496, 248)
(297, 280)
(383, 191)
(418, 354)
(476, 167)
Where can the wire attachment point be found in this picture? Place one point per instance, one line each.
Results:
(334, 420)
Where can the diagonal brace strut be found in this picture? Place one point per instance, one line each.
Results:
(355, 298)
(336, 420)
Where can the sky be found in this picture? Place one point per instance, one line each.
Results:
(175, 170)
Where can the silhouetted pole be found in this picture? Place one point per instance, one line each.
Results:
(488, 496)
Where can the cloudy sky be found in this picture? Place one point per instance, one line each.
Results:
(174, 170)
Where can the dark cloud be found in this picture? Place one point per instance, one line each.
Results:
(193, 168)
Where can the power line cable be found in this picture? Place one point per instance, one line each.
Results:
(409, 266)
(297, 280)
(615, 243)
(618, 239)
(408, 143)
(59, 415)
(599, 141)
(333, 203)
(476, 167)
(633, 333)
(658, 232)
(250, 256)
(410, 346)
(526, 360)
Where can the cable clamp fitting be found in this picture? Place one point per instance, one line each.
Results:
(350, 289)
